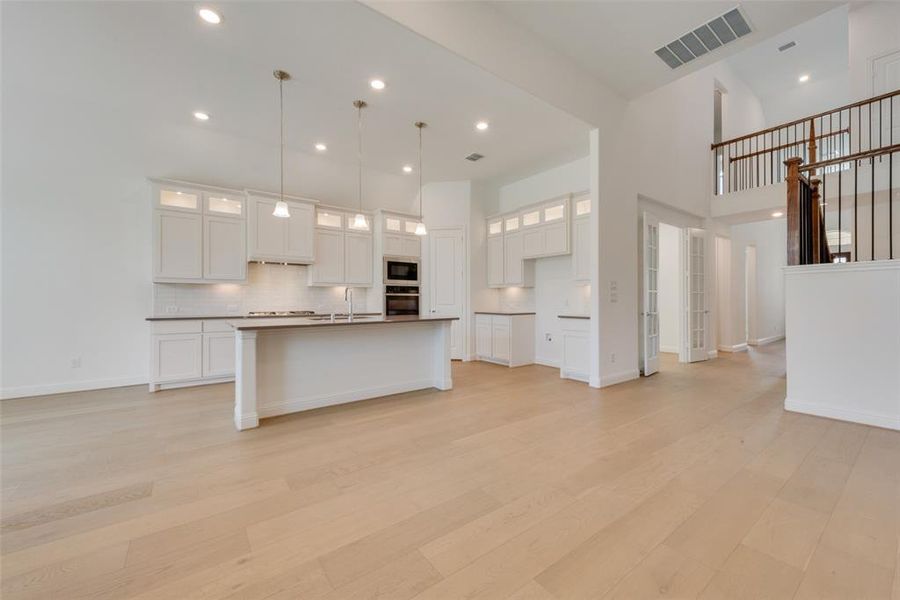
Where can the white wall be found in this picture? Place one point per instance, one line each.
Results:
(570, 177)
(769, 238)
(669, 288)
(843, 349)
(874, 30)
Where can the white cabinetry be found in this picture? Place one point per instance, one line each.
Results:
(581, 233)
(198, 234)
(399, 236)
(190, 352)
(343, 252)
(280, 239)
(506, 265)
(575, 349)
(505, 339)
(495, 261)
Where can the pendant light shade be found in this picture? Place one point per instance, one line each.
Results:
(281, 207)
(420, 226)
(359, 219)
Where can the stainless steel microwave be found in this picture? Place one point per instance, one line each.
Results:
(401, 271)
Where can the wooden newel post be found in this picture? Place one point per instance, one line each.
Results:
(815, 229)
(793, 210)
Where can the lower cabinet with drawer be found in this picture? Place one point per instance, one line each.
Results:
(506, 339)
(184, 353)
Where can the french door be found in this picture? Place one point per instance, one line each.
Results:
(649, 321)
(695, 301)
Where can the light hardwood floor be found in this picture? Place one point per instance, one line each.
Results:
(515, 484)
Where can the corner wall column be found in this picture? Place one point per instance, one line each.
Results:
(245, 414)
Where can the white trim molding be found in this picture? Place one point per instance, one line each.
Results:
(25, 391)
(766, 340)
(615, 378)
(865, 265)
(843, 414)
(742, 347)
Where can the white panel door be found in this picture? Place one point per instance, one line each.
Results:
(358, 258)
(650, 297)
(177, 245)
(534, 243)
(266, 231)
(500, 338)
(483, 336)
(556, 239)
(224, 252)
(393, 244)
(411, 246)
(886, 78)
(218, 354)
(582, 254)
(695, 290)
(329, 265)
(447, 277)
(177, 357)
(512, 254)
(300, 233)
(495, 260)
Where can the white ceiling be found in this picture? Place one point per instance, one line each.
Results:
(822, 51)
(616, 40)
(156, 63)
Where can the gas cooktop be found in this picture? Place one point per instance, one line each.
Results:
(281, 313)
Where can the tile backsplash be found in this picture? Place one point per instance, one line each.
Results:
(268, 287)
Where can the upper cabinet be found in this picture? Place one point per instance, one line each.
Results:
(399, 236)
(280, 239)
(343, 250)
(533, 232)
(198, 234)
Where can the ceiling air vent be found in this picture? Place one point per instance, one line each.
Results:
(474, 156)
(787, 46)
(705, 38)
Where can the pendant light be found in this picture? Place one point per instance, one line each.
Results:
(420, 226)
(359, 220)
(281, 207)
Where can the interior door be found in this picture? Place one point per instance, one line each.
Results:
(695, 290)
(650, 297)
(448, 283)
(886, 78)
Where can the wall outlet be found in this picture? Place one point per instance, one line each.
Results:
(612, 357)
(76, 362)
(548, 337)
(613, 292)
(171, 308)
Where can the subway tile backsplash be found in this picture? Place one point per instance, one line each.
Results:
(268, 287)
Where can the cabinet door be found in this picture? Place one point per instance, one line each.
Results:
(495, 260)
(483, 336)
(300, 233)
(500, 338)
(177, 245)
(358, 258)
(393, 244)
(224, 252)
(329, 265)
(218, 354)
(412, 246)
(556, 239)
(582, 255)
(176, 357)
(533, 243)
(266, 231)
(512, 250)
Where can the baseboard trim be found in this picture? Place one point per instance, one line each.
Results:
(547, 362)
(301, 404)
(843, 414)
(767, 340)
(669, 349)
(735, 348)
(620, 377)
(712, 353)
(574, 375)
(72, 386)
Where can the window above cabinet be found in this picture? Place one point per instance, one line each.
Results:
(554, 212)
(512, 223)
(495, 227)
(531, 218)
(582, 207)
(182, 199)
(332, 220)
(224, 205)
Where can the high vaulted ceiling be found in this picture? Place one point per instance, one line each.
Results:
(616, 40)
(155, 63)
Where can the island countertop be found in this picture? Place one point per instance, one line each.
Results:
(296, 322)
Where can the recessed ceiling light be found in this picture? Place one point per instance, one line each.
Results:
(321, 147)
(407, 169)
(777, 214)
(201, 116)
(803, 78)
(210, 16)
(377, 84)
(481, 125)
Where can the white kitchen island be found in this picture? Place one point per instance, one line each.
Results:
(293, 364)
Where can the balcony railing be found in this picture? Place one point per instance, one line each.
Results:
(758, 159)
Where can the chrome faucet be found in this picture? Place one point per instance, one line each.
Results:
(348, 298)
